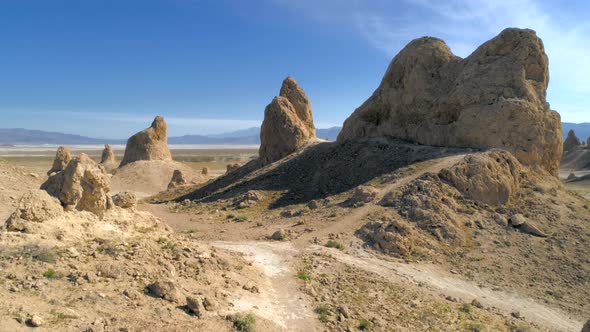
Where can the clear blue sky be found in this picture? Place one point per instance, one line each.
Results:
(105, 68)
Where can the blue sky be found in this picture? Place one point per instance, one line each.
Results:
(105, 68)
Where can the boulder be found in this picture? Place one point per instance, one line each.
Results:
(165, 289)
(586, 327)
(177, 179)
(62, 158)
(572, 142)
(494, 98)
(34, 206)
(288, 124)
(205, 171)
(195, 305)
(125, 199)
(249, 198)
(362, 194)
(149, 144)
(279, 235)
(490, 177)
(108, 156)
(521, 223)
(82, 185)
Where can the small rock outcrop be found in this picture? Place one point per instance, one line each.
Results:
(249, 198)
(572, 142)
(205, 171)
(361, 195)
(82, 185)
(177, 179)
(125, 199)
(34, 206)
(165, 289)
(491, 177)
(494, 98)
(62, 158)
(149, 144)
(108, 156)
(231, 167)
(288, 124)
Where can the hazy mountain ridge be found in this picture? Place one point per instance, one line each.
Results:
(16, 136)
(20, 136)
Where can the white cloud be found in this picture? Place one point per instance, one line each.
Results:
(464, 24)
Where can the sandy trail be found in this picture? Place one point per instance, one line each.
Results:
(280, 299)
(444, 283)
(356, 218)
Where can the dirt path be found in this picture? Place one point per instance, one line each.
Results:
(444, 283)
(355, 219)
(280, 299)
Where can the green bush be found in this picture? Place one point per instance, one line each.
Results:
(303, 275)
(334, 244)
(364, 325)
(244, 323)
(51, 274)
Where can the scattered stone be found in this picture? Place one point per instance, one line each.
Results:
(177, 179)
(516, 314)
(248, 199)
(287, 125)
(500, 219)
(82, 185)
(165, 289)
(125, 199)
(313, 204)
(62, 158)
(280, 235)
(210, 304)
(362, 194)
(34, 206)
(149, 144)
(477, 304)
(494, 98)
(195, 305)
(35, 321)
(251, 288)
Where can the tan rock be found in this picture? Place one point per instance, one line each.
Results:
(572, 142)
(288, 124)
(149, 144)
(493, 98)
(295, 94)
(177, 179)
(108, 156)
(491, 177)
(362, 194)
(125, 199)
(62, 158)
(82, 185)
(34, 206)
(205, 171)
(165, 289)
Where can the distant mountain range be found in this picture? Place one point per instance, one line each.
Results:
(19, 136)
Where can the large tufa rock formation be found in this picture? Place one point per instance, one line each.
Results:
(493, 98)
(288, 123)
(572, 142)
(108, 156)
(149, 144)
(82, 185)
(62, 158)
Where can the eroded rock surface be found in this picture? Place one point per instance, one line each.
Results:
(177, 179)
(34, 206)
(62, 158)
(288, 124)
(493, 98)
(82, 185)
(149, 144)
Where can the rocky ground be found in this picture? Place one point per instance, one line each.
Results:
(321, 259)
